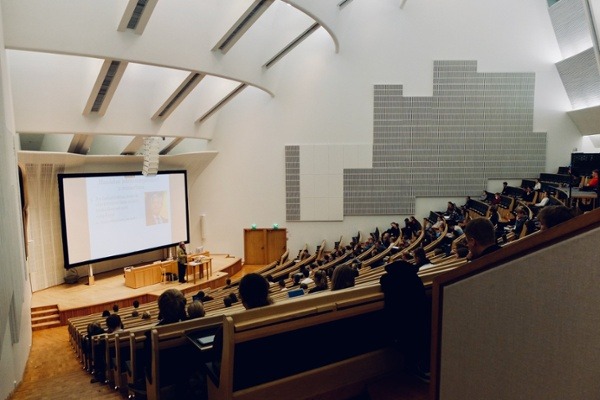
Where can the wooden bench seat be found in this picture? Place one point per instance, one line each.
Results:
(269, 334)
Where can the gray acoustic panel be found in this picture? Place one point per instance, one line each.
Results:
(292, 183)
(476, 126)
(571, 28)
(581, 79)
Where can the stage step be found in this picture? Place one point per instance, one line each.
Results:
(45, 317)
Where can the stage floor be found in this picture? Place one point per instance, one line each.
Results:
(110, 287)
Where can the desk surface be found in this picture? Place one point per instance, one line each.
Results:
(577, 193)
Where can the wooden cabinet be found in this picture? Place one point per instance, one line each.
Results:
(264, 245)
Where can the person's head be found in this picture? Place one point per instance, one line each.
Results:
(94, 329)
(320, 279)
(480, 235)
(254, 291)
(105, 313)
(505, 184)
(343, 277)
(420, 256)
(171, 306)
(233, 297)
(281, 283)
(595, 173)
(497, 195)
(227, 302)
(182, 245)
(228, 281)
(196, 310)
(462, 252)
(520, 212)
(553, 215)
(113, 322)
(136, 304)
(115, 308)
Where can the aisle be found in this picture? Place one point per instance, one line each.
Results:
(54, 372)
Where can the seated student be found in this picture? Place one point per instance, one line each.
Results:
(538, 185)
(520, 221)
(201, 296)
(254, 291)
(196, 310)
(307, 280)
(545, 199)
(281, 283)
(94, 329)
(593, 182)
(505, 188)
(343, 277)
(553, 215)
(395, 228)
(320, 282)
(421, 260)
(113, 323)
(171, 307)
(135, 312)
(481, 238)
(415, 226)
(496, 200)
(439, 226)
(528, 195)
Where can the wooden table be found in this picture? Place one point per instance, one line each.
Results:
(205, 262)
(145, 275)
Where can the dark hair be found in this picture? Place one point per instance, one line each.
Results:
(421, 257)
(94, 329)
(116, 308)
(105, 313)
(482, 230)
(233, 297)
(320, 279)
(550, 216)
(462, 252)
(113, 322)
(227, 301)
(136, 304)
(196, 310)
(343, 277)
(171, 306)
(254, 291)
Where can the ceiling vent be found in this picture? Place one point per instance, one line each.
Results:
(105, 87)
(221, 103)
(178, 95)
(291, 45)
(136, 15)
(244, 23)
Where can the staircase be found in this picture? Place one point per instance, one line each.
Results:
(45, 317)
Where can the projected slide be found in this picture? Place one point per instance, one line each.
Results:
(106, 216)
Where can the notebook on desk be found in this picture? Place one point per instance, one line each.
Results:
(206, 340)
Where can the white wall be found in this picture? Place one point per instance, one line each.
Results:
(328, 99)
(15, 294)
